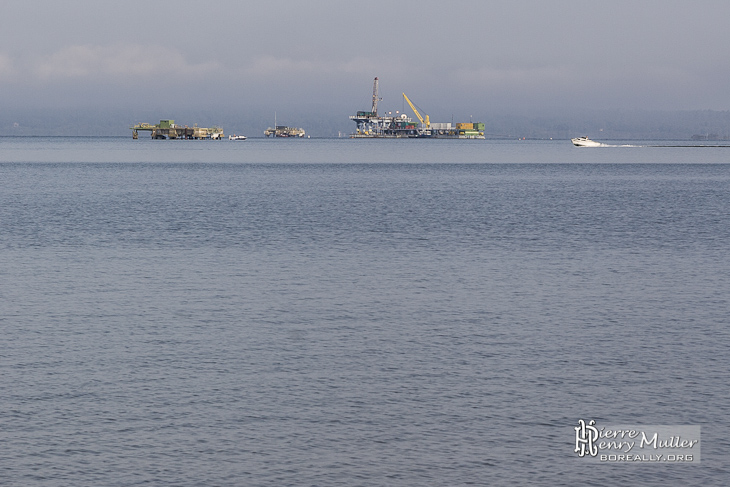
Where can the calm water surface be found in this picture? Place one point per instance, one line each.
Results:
(356, 312)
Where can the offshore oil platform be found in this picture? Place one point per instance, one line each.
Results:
(371, 125)
(168, 129)
(283, 130)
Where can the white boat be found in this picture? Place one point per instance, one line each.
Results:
(236, 137)
(585, 142)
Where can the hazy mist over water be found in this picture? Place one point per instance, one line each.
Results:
(356, 312)
(526, 69)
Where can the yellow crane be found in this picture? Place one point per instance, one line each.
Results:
(426, 122)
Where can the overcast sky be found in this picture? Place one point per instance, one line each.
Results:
(452, 58)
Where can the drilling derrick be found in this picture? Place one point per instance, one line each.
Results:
(375, 97)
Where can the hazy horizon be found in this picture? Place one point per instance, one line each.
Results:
(241, 62)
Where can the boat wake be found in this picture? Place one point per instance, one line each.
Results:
(586, 142)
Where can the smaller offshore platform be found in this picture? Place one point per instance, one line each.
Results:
(168, 129)
(371, 125)
(284, 131)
